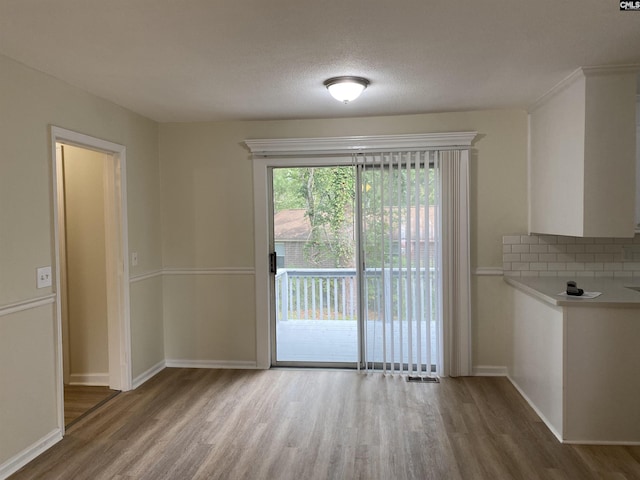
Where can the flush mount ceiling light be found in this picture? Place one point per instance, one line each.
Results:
(346, 89)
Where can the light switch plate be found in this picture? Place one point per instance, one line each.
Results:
(43, 275)
(134, 259)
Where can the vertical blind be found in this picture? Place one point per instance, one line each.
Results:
(399, 197)
(415, 254)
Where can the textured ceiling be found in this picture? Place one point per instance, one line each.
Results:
(196, 60)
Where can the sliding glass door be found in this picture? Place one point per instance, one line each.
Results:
(355, 264)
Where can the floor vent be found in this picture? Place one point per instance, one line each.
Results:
(423, 379)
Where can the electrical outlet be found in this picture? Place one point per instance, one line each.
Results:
(43, 276)
(134, 259)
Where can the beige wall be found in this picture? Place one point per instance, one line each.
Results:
(28, 408)
(85, 262)
(207, 220)
(30, 102)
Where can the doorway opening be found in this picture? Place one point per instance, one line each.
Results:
(91, 274)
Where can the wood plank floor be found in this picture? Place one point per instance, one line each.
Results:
(304, 424)
(80, 399)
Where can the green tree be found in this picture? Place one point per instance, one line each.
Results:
(327, 195)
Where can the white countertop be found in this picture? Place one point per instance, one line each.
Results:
(614, 291)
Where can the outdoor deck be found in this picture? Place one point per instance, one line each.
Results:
(337, 341)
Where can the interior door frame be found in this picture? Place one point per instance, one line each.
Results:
(117, 253)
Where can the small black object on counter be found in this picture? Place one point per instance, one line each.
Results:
(572, 289)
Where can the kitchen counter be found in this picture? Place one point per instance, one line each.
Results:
(614, 291)
(576, 360)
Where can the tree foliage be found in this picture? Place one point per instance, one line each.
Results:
(327, 195)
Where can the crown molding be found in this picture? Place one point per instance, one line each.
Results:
(356, 144)
(611, 70)
(579, 73)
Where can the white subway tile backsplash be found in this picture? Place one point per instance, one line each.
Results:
(566, 240)
(585, 274)
(594, 267)
(529, 273)
(537, 266)
(557, 266)
(548, 239)
(548, 274)
(585, 240)
(613, 267)
(511, 257)
(520, 248)
(551, 255)
(511, 239)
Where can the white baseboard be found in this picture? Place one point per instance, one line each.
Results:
(89, 379)
(18, 461)
(596, 442)
(557, 434)
(146, 375)
(231, 364)
(489, 371)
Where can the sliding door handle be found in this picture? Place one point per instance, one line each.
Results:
(273, 262)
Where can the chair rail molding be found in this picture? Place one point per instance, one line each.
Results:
(27, 304)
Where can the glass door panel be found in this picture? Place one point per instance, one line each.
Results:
(315, 287)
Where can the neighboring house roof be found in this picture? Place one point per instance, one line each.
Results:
(293, 225)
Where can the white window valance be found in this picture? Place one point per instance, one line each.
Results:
(276, 147)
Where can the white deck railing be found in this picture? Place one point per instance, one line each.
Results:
(331, 294)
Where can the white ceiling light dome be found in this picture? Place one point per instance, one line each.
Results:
(346, 89)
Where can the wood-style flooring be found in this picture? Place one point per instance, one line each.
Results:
(304, 424)
(81, 399)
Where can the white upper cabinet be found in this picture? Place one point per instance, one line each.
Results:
(582, 156)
